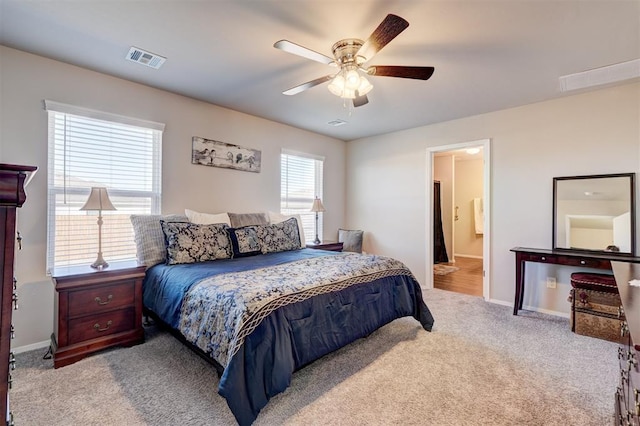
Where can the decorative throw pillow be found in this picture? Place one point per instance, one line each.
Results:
(277, 237)
(351, 239)
(244, 241)
(206, 218)
(149, 238)
(190, 242)
(278, 217)
(239, 220)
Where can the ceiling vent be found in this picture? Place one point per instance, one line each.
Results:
(336, 123)
(600, 76)
(145, 58)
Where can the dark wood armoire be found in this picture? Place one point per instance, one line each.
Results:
(13, 179)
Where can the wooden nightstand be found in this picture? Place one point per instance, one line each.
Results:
(96, 310)
(331, 246)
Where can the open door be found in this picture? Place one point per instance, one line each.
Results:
(478, 262)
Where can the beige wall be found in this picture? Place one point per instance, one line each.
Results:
(589, 133)
(468, 185)
(26, 80)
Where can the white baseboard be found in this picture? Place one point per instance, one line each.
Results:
(31, 347)
(532, 308)
(470, 256)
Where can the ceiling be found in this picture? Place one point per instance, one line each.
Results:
(488, 55)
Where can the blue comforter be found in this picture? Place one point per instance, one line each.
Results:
(293, 308)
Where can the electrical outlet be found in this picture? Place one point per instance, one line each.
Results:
(551, 282)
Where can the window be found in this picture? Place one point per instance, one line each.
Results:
(300, 183)
(89, 148)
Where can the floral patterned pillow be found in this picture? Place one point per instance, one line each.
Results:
(190, 242)
(244, 241)
(283, 236)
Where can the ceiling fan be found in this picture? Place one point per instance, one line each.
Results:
(351, 55)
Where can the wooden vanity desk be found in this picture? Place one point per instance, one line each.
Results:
(598, 260)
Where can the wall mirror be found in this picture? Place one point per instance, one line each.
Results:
(595, 213)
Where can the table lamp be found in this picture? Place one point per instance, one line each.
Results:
(98, 200)
(316, 208)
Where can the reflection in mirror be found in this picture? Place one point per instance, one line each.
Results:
(594, 213)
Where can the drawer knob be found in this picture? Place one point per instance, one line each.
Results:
(97, 326)
(543, 258)
(624, 376)
(582, 262)
(632, 361)
(624, 328)
(100, 302)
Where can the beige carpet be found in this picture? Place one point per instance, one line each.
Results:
(480, 366)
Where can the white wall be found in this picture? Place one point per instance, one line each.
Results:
(591, 133)
(26, 80)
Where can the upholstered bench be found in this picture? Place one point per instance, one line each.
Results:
(595, 304)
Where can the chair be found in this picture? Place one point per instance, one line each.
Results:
(351, 239)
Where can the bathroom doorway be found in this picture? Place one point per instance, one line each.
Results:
(459, 175)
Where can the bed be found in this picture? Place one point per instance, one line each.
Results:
(260, 317)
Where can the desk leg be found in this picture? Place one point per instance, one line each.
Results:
(517, 303)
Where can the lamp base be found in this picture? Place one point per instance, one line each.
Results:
(100, 263)
(317, 241)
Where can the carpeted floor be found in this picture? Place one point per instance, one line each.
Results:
(480, 366)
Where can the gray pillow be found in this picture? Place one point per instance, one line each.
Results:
(238, 220)
(191, 242)
(351, 239)
(149, 238)
(278, 237)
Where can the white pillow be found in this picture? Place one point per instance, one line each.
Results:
(277, 218)
(206, 218)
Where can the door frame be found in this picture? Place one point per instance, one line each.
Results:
(486, 243)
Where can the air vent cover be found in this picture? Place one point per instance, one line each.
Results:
(336, 123)
(600, 76)
(145, 58)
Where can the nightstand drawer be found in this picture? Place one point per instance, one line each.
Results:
(101, 299)
(94, 326)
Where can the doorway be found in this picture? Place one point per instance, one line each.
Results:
(459, 174)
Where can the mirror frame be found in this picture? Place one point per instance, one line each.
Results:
(632, 201)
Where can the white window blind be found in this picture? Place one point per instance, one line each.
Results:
(300, 183)
(90, 148)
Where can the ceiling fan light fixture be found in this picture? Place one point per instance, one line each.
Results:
(337, 85)
(365, 87)
(347, 88)
(352, 79)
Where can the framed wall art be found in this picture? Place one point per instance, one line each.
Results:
(209, 152)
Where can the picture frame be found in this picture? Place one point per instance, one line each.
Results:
(209, 152)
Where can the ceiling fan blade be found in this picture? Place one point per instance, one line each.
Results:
(308, 85)
(296, 49)
(360, 100)
(418, 73)
(388, 29)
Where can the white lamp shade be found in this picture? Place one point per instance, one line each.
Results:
(317, 206)
(98, 200)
